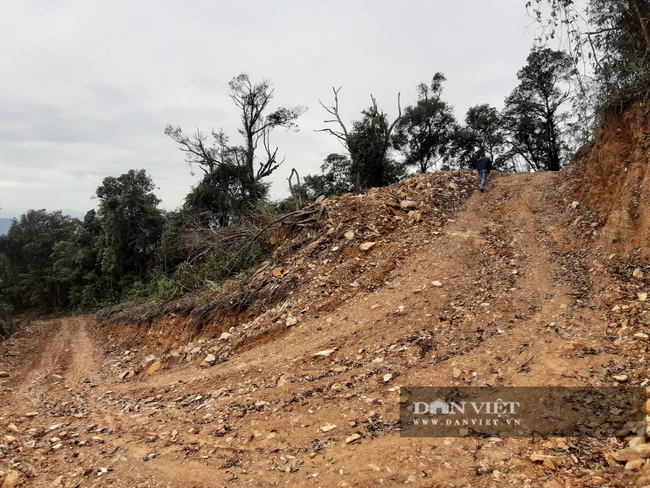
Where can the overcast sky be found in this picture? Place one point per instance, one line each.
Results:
(88, 86)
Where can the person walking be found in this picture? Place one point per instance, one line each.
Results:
(483, 166)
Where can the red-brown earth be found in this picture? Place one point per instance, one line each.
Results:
(540, 281)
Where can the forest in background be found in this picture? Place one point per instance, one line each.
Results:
(130, 249)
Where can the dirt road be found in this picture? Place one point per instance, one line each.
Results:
(509, 292)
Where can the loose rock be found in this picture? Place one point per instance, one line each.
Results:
(154, 367)
(352, 438)
(325, 353)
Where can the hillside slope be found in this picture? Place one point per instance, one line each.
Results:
(612, 175)
(509, 289)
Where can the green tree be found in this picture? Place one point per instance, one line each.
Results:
(335, 179)
(464, 146)
(369, 145)
(131, 225)
(486, 123)
(533, 111)
(483, 132)
(220, 195)
(424, 132)
(231, 178)
(612, 38)
(30, 278)
(75, 262)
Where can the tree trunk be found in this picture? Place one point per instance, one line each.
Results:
(642, 10)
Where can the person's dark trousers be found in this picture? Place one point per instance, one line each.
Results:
(484, 174)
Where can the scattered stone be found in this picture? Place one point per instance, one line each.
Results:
(149, 359)
(366, 246)
(325, 353)
(549, 464)
(12, 479)
(13, 428)
(31, 415)
(291, 320)
(638, 273)
(277, 272)
(621, 378)
(352, 438)
(349, 235)
(154, 367)
(4, 374)
(436, 283)
(640, 439)
(537, 457)
(642, 296)
(210, 359)
(387, 377)
(641, 451)
(553, 484)
(634, 465)
(327, 427)
(225, 336)
(408, 205)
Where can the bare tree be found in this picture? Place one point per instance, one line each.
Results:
(343, 134)
(252, 101)
(296, 191)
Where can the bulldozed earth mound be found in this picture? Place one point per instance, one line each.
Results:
(297, 383)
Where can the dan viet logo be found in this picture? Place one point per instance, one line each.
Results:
(521, 411)
(443, 407)
(465, 413)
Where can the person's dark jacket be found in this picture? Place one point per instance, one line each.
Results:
(484, 163)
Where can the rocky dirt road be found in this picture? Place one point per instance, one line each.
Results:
(509, 291)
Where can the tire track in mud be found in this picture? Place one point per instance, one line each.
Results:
(508, 305)
(59, 371)
(61, 404)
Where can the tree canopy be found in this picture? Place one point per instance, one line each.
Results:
(425, 130)
(611, 38)
(231, 178)
(131, 225)
(533, 111)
